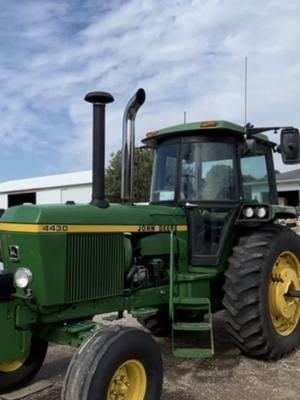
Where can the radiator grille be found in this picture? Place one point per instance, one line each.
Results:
(95, 266)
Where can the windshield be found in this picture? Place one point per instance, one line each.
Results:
(206, 172)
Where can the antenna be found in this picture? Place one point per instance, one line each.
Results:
(184, 117)
(246, 87)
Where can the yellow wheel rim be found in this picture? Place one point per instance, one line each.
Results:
(285, 310)
(129, 382)
(12, 366)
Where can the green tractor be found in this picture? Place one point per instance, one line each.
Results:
(208, 240)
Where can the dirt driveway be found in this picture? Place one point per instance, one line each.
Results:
(229, 376)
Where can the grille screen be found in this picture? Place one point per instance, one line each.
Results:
(95, 266)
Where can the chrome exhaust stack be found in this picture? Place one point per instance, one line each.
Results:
(128, 145)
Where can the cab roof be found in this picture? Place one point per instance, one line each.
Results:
(201, 127)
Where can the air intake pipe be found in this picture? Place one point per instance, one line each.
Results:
(128, 145)
(99, 100)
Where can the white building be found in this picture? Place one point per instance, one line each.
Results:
(76, 186)
(288, 186)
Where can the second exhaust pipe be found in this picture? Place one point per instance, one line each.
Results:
(128, 145)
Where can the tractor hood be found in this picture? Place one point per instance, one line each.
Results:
(88, 218)
(79, 253)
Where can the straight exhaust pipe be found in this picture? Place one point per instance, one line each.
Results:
(99, 101)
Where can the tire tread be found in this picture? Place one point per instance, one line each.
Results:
(243, 280)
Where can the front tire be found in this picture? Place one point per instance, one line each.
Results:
(116, 362)
(262, 321)
(16, 374)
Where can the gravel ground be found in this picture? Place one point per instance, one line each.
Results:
(229, 376)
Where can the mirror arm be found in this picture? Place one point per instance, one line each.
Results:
(277, 149)
(251, 131)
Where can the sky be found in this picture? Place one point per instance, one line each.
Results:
(188, 55)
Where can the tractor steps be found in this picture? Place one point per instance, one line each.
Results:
(193, 353)
(191, 277)
(200, 305)
(192, 326)
(191, 301)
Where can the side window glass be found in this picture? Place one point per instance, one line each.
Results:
(165, 178)
(255, 179)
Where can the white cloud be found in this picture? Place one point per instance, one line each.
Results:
(188, 54)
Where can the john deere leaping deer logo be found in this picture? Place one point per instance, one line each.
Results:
(14, 253)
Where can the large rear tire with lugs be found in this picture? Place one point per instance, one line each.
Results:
(117, 362)
(261, 318)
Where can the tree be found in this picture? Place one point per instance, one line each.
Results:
(142, 181)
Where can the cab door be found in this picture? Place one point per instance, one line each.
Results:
(209, 185)
(209, 227)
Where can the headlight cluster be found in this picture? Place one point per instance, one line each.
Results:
(259, 212)
(23, 278)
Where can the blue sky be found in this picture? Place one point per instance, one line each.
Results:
(187, 54)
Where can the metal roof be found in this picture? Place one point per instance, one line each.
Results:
(288, 176)
(202, 127)
(47, 182)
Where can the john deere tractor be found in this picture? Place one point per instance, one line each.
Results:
(209, 239)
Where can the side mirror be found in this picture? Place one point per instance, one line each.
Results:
(290, 145)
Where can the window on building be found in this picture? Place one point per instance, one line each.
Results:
(17, 199)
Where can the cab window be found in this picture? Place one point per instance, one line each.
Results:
(207, 172)
(255, 179)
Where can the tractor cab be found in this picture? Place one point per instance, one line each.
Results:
(212, 169)
(211, 162)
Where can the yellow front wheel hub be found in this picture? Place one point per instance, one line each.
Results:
(12, 366)
(129, 382)
(285, 310)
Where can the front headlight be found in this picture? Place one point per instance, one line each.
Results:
(23, 278)
(261, 212)
(248, 212)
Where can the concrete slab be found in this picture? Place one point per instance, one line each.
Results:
(27, 391)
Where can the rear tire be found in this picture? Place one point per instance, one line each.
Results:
(15, 375)
(249, 293)
(115, 361)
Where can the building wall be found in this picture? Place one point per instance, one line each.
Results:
(48, 196)
(288, 193)
(288, 186)
(79, 194)
(3, 201)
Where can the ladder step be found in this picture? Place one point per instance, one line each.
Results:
(193, 353)
(192, 277)
(192, 326)
(193, 307)
(191, 301)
